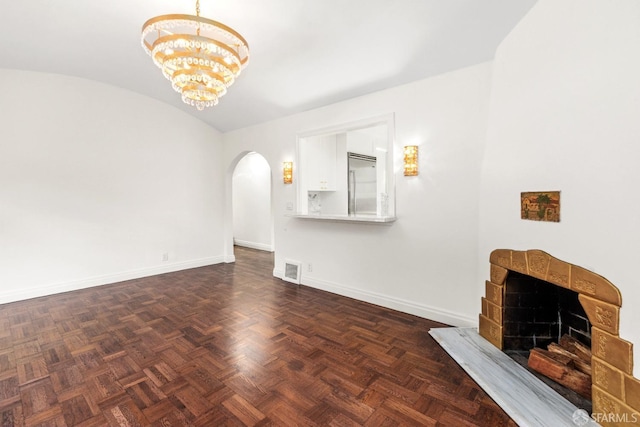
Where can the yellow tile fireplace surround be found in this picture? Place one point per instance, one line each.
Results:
(614, 389)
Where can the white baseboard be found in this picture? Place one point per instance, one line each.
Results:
(253, 245)
(387, 301)
(74, 285)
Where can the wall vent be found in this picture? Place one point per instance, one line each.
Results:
(292, 271)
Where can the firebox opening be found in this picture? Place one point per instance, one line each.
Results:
(538, 313)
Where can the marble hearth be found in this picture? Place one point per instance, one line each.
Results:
(528, 400)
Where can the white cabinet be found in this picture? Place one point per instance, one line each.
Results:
(320, 167)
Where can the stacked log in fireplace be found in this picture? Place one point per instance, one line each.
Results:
(567, 362)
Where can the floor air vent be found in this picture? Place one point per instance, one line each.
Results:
(292, 270)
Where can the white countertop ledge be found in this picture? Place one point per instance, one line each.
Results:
(348, 218)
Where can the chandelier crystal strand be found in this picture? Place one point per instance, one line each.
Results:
(200, 57)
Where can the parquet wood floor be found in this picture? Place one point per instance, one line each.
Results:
(227, 345)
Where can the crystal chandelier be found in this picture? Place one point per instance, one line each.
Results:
(200, 57)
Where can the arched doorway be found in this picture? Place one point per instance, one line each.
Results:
(252, 213)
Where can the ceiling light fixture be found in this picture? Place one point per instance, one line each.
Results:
(200, 57)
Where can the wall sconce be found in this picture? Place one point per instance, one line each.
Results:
(410, 160)
(287, 172)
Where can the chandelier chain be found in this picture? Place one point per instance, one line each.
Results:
(198, 15)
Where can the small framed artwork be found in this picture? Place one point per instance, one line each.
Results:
(540, 206)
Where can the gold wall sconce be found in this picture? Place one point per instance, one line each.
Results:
(410, 160)
(287, 172)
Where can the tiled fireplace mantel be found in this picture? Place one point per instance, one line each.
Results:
(614, 389)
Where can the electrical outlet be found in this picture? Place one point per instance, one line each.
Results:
(165, 257)
(310, 267)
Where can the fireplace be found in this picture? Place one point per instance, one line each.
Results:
(614, 389)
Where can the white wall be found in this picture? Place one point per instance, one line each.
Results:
(251, 199)
(426, 262)
(565, 116)
(98, 183)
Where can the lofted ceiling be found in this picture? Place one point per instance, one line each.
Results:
(304, 53)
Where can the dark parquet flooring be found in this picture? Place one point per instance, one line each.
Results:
(227, 345)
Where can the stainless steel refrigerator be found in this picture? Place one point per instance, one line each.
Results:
(362, 184)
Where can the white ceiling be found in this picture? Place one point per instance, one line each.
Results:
(304, 54)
